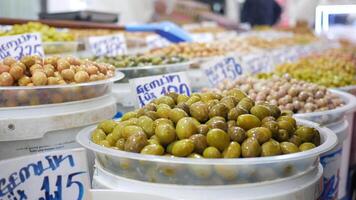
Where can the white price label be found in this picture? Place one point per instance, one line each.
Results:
(156, 41)
(46, 176)
(202, 37)
(257, 63)
(108, 45)
(18, 46)
(148, 88)
(221, 69)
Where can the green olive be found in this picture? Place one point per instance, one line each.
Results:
(282, 135)
(104, 143)
(184, 107)
(136, 142)
(170, 147)
(153, 149)
(173, 95)
(231, 123)
(289, 119)
(229, 101)
(286, 125)
(147, 124)
(97, 136)
(183, 148)
(131, 130)
(129, 115)
(199, 111)
(110, 138)
(219, 110)
(306, 134)
(163, 111)
(260, 111)
(107, 126)
(211, 152)
(120, 144)
(248, 121)
(262, 134)
(161, 121)
(272, 126)
(166, 100)
(212, 103)
(152, 114)
(268, 119)
(192, 100)
(203, 129)
(153, 141)
(250, 148)
(176, 114)
(232, 151)
(218, 138)
(200, 142)
(295, 139)
(195, 155)
(275, 111)
(205, 97)
(271, 148)
(288, 147)
(182, 98)
(238, 94)
(218, 124)
(237, 134)
(234, 113)
(165, 133)
(117, 131)
(306, 146)
(186, 127)
(246, 103)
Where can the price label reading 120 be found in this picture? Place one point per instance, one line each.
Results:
(108, 45)
(148, 88)
(18, 46)
(225, 68)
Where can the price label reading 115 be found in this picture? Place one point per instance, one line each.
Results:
(226, 68)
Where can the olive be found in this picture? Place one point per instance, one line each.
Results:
(248, 121)
(200, 142)
(131, 130)
(250, 148)
(282, 135)
(186, 127)
(286, 125)
(218, 124)
(152, 114)
(170, 147)
(184, 107)
(232, 151)
(176, 114)
(218, 138)
(267, 119)
(236, 112)
(288, 147)
(289, 119)
(173, 95)
(272, 126)
(161, 121)
(295, 139)
(166, 100)
(110, 138)
(203, 129)
(98, 135)
(205, 97)
(150, 107)
(136, 142)
(306, 146)
(192, 100)
(262, 134)
(199, 111)
(306, 134)
(212, 103)
(271, 148)
(153, 149)
(104, 143)
(153, 141)
(231, 123)
(183, 148)
(237, 134)
(165, 133)
(219, 110)
(246, 103)
(260, 111)
(182, 98)
(107, 126)
(163, 111)
(120, 144)
(195, 155)
(275, 111)
(229, 101)
(238, 94)
(147, 124)
(211, 152)
(287, 113)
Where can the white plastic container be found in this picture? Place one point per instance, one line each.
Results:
(32, 129)
(115, 195)
(305, 186)
(187, 171)
(333, 177)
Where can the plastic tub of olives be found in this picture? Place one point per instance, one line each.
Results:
(190, 171)
(334, 115)
(60, 47)
(152, 70)
(12, 96)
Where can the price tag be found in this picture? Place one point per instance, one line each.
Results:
(221, 69)
(152, 87)
(202, 37)
(156, 41)
(257, 63)
(18, 46)
(46, 176)
(108, 45)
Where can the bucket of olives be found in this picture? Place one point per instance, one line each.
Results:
(37, 81)
(207, 139)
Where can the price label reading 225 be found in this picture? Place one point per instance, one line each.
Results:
(226, 68)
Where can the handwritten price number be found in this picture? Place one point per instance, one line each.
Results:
(27, 50)
(227, 69)
(57, 194)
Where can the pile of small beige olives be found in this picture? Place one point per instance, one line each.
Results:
(207, 125)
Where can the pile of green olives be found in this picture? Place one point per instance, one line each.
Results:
(207, 125)
(124, 61)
